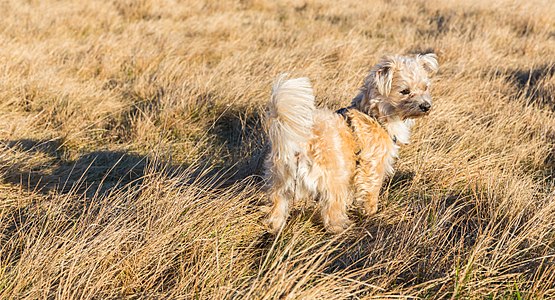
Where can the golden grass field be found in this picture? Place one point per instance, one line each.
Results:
(131, 146)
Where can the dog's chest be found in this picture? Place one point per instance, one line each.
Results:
(399, 130)
(380, 144)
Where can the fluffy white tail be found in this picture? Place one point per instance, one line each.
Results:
(290, 117)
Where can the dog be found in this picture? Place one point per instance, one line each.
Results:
(343, 156)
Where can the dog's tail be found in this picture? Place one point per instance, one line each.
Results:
(290, 117)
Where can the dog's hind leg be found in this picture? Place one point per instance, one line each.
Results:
(280, 209)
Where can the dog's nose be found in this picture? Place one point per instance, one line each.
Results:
(425, 106)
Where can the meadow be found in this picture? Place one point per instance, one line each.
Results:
(131, 137)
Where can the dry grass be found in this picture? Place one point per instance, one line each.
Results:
(131, 142)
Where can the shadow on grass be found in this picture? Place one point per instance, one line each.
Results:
(78, 187)
(100, 171)
(242, 136)
(532, 84)
(44, 167)
(97, 171)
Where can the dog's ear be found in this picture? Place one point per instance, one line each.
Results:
(383, 75)
(429, 63)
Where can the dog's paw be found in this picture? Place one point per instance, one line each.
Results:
(274, 224)
(370, 208)
(338, 226)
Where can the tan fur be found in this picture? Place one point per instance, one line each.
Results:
(318, 153)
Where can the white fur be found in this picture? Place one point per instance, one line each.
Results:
(400, 129)
(291, 116)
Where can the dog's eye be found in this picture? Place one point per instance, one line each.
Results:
(405, 92)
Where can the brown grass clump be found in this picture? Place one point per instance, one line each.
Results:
(130, 137)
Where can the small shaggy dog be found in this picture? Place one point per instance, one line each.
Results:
(343, 156)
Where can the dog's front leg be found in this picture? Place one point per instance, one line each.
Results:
(368, 181)
(335, 199)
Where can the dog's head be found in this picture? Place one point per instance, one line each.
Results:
(399, 87)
